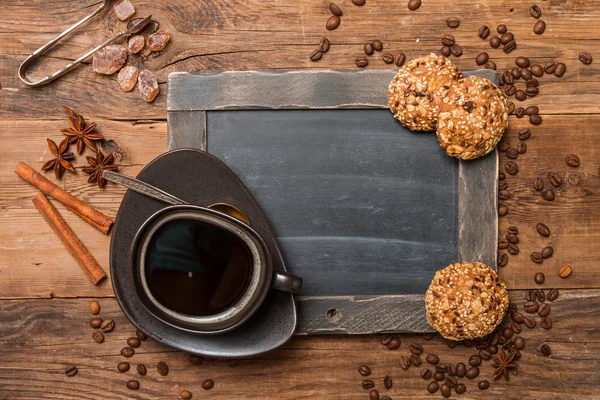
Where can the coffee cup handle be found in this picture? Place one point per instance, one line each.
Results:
(286, 282)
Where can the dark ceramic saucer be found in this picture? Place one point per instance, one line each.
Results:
(201, 179)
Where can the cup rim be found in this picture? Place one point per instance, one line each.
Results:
(238, 313)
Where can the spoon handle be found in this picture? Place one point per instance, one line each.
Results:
(141, 187)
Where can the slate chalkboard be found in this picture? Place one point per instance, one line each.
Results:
(364, 209)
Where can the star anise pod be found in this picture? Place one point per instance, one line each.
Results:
(61, 162)
(97, 165)
(503, 364)
(80, 132)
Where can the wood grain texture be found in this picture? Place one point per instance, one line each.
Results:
(40, 338)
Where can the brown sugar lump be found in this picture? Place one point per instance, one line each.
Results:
(148, 85)
(124, 9)
(127, 77)
(158, 40)
(472, 118)
(415, 92)
(110, 59)
(136, 44)
(466, 301)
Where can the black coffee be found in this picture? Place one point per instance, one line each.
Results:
(196, 268)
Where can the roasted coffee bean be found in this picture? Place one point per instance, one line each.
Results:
(513, 249)
(335, 10)
(543, 229)
(415, 348)
(446, 51)
(507, 37)
(544, 309)
(441, 367)
(475, 360)
(472, 373)
(141, 335)
(538, 184)
(185, 394)
(526, 74)
(516, 327)
(546, 323)
(512, 153)
(493, 349)
(530, 295)
(512, 307)
(539, 278)
(504, 195)
(585, 57)
(519, 112)
(517, 317)
(324, 45)
(362, 61)
(512, 238)
(364, 370)
(490, 65)
(524, 134)
(358, 2)
(133, 342)
(529, 322)
(548, 194)
(545, 349)
(107, 325)
(394, 344)
(451, 381)
(502, 259)
(368, 384)
(70, 370)
(531, 307)
(399, 59)
(196, 360)
(461, 370)
(535, 11)
(572, 160)
(553, 294)
(333, 22)
(565, 271)
(504, 146)
(439, 376)
(485, 354)
(368, 48)
(520, 95)
(123, 367)
(522, 148)
(445, 390)
(451, 369)
(127, 352)
(522, 62)
(162, 368)
(547, 252)
(95, 307)
(516, 73)
(432, 359)
(560, 70)
(483, 32)
(427, 336)
(537, 258)
(510, 90)
(482, 58)
(404, 363)
(511, 168)
(502, 209)
(98, 337)
(433, 387)
(508, 344)
(386, 339)
(96, 323)
(457, 50)
(532, 91)
(508, 78)
(537, 70)
(501, 81)
(510, 46)
(377, 45)
(540, 296)
(415, 360)
(387, 58)
(388, 382)
(452, 22)
(519, 343)
(549, 67)
(208, 384)
(503, 244)
(501, 176)
(507, 333)
(414, 4)
(373, 395)
(133, 385)
(141, 369)
(501, 29)
(539, 27)
(555, 179)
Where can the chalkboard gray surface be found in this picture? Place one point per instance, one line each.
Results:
(364, 209)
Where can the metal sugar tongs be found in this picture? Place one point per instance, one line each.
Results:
(137, 27)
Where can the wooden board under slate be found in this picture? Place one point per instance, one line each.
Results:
(365, 210)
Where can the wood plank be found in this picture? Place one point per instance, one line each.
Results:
(39, 338)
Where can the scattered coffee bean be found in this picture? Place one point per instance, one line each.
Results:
(196, 360)
(472, 373)
(364, 370)
(162, 368)
(358, 2)
(503, 244)
(540, 296)
(519, 112)
(535, 119)
(529, 322)
(448, 40)
(547, 252)
(553, 294)
(537, 258)
(510, 90)
(141, 335)
(520, 95)
(501, 81)
(516, 73)
(377, 45)
(368, 48)
(522, 148)
(415, 349)
(510, 46)
(560, 70)
(460, 388)
(414, 4)
(386, 339)
(133, 342)
(526, 74)
(543, 229)
(532, 91)
(208, 384)
(544, 310)
(516, 327)
(415, 360)
(127, 352)
(512, 237)
(388, 382)
(483, 385)
(522, 62)
(555, 179)
(539, 27)
(511, 168)
(539, 278)
(538, 184)
(485, 354)
(133, 385)
(452, 22)
(504, 146)
(432, 359)
(504, 195)
(565, 271)
(367, 384)
(399, 59)
(373, 395)
(315, 55)
(490, 65)
(70, 370)
(530, 295)
(98, 337)
(549, 67)
(335, 10)
(585, 58)
(531, 307)
(546, 323)
(185, 394)
(546, 350)
(141, 369)
(548, 194)
(107, 325)
(96, 323)
(387, 58)
(439, 376)
(519, 343)
(502, 259)
(333, 22)
(507, 37)
(512, 307)
(475, 360)
(507, 333)
(573, 160)
(123, 367)
(483, 32)
(461, 370)
(394, 344)
(95, 307)
(517, 317)
(512, 153)
(433, 387)
(451, 381)
(445, 390)
(457, 50)
(502, 209)
(513, 249)
(404, 363)
(446, 51)
(441, 367)
(362, 61)
(535, 11)
(482, 58)
(537, 70)
(508, 344)
(501, 29)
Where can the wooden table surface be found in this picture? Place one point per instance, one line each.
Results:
(44, 295)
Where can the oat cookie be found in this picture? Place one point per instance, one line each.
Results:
(472, 118)
(415, 92)
(466, 301)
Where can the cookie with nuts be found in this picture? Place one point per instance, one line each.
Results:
(466, 301)
(472, 118)
(415, 93)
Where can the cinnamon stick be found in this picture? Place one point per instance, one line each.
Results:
(71, 242)
(85, 211)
